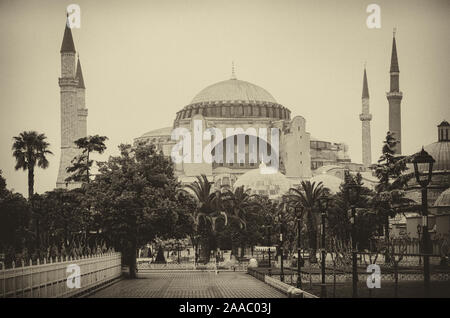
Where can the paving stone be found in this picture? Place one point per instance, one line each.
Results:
(190, 285)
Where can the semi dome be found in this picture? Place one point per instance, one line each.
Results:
(265, 181)
(331, 182)
(443, 199)
(233, 90)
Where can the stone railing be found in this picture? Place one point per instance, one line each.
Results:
(286, 289)
(59, 278)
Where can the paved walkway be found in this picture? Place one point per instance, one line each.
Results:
(190, 285)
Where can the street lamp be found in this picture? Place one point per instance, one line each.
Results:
(280, 221)
(419, 231)
(268, 228)
(323, 203)
(351, 185)
(269, 243)
(423, 168)
(299, 256)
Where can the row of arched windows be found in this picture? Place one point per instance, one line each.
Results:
(235, 110)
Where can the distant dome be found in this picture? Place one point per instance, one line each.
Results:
(443, 199)
(272, 183)
(233, 90)
(162, 134)
(440, 151)
(167, 131)
(327, 169)
(331, 182)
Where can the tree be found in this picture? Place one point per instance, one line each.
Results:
(209, 209)
(14, 220)
(308, 195)
(209, 201)
(30, 150)
(185, 225)
(240, 207)
(135, 196)
(82, 164)
(62, 218)
(392, 182)
(239, 203)
(339, 220)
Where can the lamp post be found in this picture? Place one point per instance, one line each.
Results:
(423, 168)
(323, 202)
(354, 255)
(269, 243)
(419, 231)
(299, 256)
(268, 233)
(350, 185)
(280, 221)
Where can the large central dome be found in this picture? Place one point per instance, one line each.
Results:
(233, 90)
(234, 98)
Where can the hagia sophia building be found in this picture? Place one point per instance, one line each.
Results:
(237, 104)
(229, 104)
(234, 104)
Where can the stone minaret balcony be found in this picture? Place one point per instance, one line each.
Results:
(365, 117)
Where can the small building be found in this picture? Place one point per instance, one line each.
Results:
(438, 191)
(438, 219)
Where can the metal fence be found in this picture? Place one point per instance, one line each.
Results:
(413, 247)
(50, 279)
(144, 264)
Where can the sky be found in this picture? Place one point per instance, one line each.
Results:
(145, 60)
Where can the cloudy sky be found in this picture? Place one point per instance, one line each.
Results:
(144, 60)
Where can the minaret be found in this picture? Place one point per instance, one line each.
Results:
(72, 108)
(394, 97)
(365, 118)
(81, 102)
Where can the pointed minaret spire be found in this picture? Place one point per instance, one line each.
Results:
(394, 97)
(79, 74)
(365, 92)
(233, 71)
(394, 59)
(365, 118)
(67, 43)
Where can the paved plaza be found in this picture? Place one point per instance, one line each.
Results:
(190, 285)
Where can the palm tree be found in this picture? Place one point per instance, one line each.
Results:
(239, 202)
(81, 165)
(30, 149)
(308, 195)
(238, 205)
(209, 201)
(209, 206)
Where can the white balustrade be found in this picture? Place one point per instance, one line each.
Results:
(49, 279)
